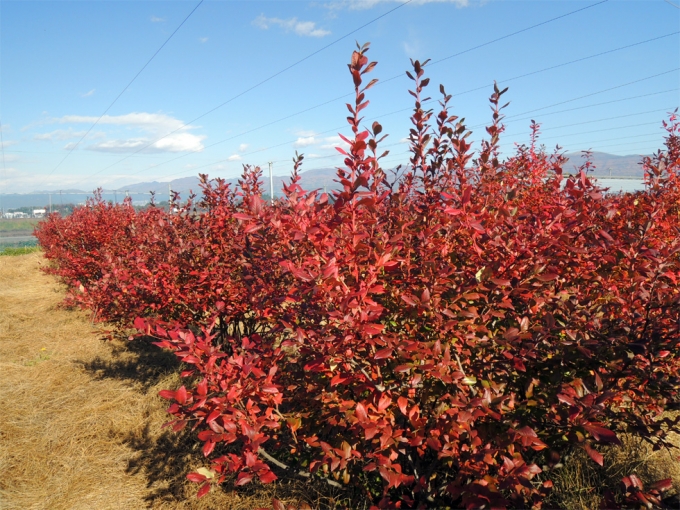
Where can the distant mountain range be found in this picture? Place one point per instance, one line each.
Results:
(311, 180)
(608, 164)
(317, 179)
(320, 178)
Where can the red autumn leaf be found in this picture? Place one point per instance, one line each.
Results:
(181, 395)
(196, 478)
(267, 476)
(594, 454)
(205, 489)
(602, 434)
(361, 413)
(402, 403)
(243, 478)
(383, 353)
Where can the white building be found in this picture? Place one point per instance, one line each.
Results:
(39, 213)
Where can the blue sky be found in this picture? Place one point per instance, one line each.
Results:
(63, 63)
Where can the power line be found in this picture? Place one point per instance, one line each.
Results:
(400, 75)
(471, 127)
(595, 104)
(126, 87)
(233, 98)
(518, 32)
(598, 120)
(404, 109)
(624, 143)
(598, 92)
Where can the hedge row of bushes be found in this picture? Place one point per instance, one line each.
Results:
(443, 336)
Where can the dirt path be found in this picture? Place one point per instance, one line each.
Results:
(80, 425)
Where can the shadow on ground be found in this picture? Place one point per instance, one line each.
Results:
(165, 461)
(137, 361)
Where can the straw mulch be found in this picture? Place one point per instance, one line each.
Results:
(80, 426)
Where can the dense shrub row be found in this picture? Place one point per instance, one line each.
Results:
(441, 337)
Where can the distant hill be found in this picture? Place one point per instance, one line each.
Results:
(311, 180)
(620, 166)
(318, 178)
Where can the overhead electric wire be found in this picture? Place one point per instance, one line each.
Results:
(596, 104)
(598, 92)
(470, 127)
(351, 93)
(124, 89)
(403, 109)
(619, 144)
(253, 87)
(550, 128)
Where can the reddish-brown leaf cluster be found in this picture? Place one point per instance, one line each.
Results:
(442, 337)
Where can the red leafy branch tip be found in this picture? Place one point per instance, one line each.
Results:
(430, 337)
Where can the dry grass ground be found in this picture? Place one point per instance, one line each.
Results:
(80, 427)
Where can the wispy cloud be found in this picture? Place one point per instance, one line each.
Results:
(305, 133)
(302, 28)
(332, 142)
(369, 4)
(59, 135)
(203, 39)
(242, 147)
(8, 143)
(305, 141)
(152, 126)
(88, 94)
(234, 157)
(155, 19)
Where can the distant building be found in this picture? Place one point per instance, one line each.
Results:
(39, 213)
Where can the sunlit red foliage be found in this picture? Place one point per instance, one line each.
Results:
(444, 336)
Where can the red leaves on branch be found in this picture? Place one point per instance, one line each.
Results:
(434, 338)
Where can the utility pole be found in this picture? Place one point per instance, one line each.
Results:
(50, 194)
(271, 183)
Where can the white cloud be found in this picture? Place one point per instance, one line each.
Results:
(155, 19)
(203, 39)
(332, 142)
(59, 134)
(153, 125)
(305, 133)
(302, 28)
(242, 147)
(412, 49)
(369, 4)
(234, 157)
(8, 143)
(22, 181)
(88, 94)
(305, 141)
